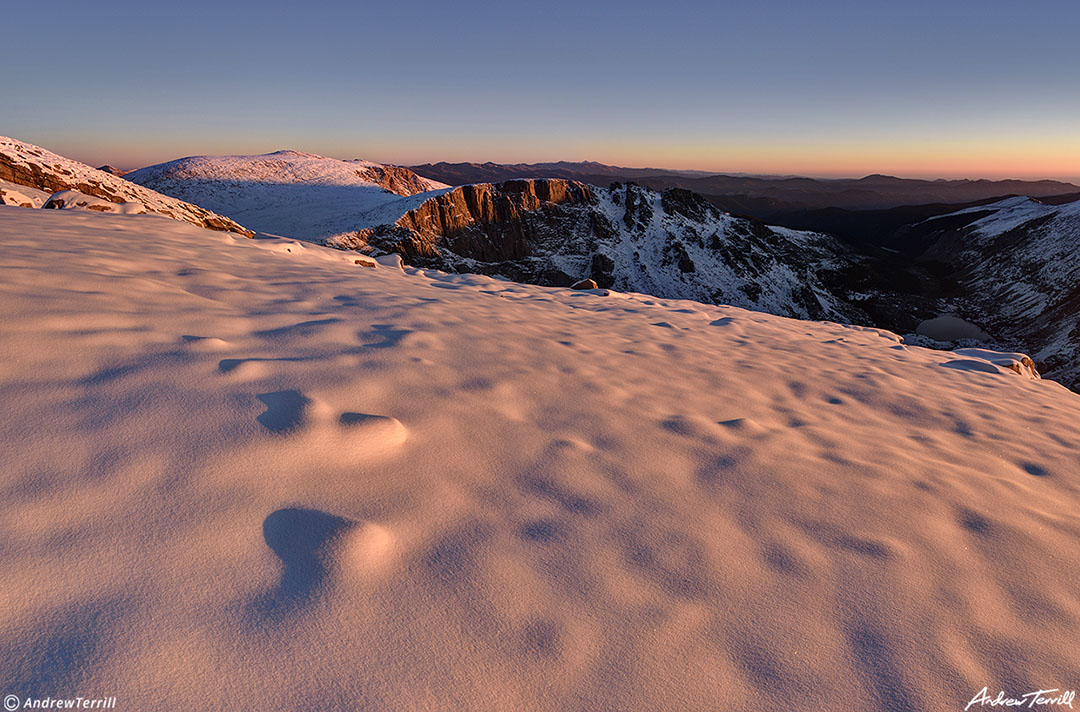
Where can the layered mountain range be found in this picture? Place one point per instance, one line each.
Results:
(1006, 266)
(765, 197)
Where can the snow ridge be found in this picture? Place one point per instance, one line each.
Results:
(28, 165)
(291, 193)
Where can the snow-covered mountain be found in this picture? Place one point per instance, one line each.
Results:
(1017, 267)
(252, 474)
(287, 193)
(673, 244)
(44, 172)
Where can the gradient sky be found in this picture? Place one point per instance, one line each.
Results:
(975, 89)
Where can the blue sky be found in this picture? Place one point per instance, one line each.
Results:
(825, 88)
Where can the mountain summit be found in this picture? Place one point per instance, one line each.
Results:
(286, 192)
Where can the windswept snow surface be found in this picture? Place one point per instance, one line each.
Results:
(253, 474)
(291, 193)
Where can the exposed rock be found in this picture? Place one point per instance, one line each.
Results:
(487, 222)
(490, 223)
(112, 169)
(585, 284)
(557, 233)
(28, 165)
(398, 180)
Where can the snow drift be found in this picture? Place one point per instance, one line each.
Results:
(255, 474)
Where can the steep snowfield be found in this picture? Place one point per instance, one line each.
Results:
(252, 474)
(25, 164)
(1019, 263)
(288, 193)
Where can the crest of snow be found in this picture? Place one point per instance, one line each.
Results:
(301, 195)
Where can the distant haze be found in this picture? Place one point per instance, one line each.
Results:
(831, 88)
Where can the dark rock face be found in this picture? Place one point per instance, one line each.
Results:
(112, 170)
(558, 232)
(481, 222)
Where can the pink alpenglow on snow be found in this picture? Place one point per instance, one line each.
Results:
(258, 474)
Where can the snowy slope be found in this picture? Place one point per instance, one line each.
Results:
(252, 474)
(288, 193)
(1018, 262)
(31, 166)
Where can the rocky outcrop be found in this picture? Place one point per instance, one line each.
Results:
(485, 222)
(397, 180)
(21, 196)
(559, 232)
(112, 170)
(34, 167)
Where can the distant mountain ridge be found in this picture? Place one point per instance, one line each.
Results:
(760, 195)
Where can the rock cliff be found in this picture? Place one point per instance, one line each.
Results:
(557, 232)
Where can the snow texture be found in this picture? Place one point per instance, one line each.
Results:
(254, 474)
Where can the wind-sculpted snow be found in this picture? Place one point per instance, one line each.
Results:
(32, 166)
(21, 196)
(288, 193)
(1018, 262)
(254, 474)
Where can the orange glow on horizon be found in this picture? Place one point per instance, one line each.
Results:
(974, 158)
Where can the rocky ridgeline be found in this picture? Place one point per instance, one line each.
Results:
(481, 222)
(397, 180)
(34, 167)
(557, 232)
